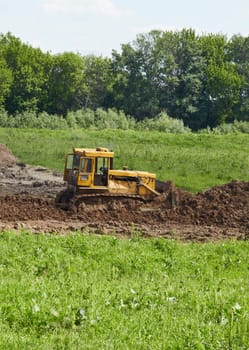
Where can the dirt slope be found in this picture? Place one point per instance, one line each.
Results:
(27, 201)
(6, 156)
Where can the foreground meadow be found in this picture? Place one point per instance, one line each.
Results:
(192, 161)
(91, 292)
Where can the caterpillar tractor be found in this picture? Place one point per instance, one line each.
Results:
(91, 179)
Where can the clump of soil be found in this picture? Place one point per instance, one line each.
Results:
(7, 158)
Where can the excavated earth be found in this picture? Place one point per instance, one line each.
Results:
(27, 197)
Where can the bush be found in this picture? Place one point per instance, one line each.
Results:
(50, 121)
(242, 126)
(112, 119)
(162, 122)
(31, 120)
(100, 119)
(23, 120)
(3, 118)
(83, 118)
(236, 126)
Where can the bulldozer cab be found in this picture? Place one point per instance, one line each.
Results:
(88, 168)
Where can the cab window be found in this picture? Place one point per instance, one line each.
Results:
(102, 164)
(86, 165)
(76, 161)
(69, 164)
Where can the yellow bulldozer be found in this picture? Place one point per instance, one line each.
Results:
(89, 174)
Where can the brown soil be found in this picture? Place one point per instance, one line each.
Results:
(27, 202)
(6, 157)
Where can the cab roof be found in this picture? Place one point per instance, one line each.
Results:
(94, 152)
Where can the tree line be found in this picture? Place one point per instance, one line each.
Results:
(202, 80)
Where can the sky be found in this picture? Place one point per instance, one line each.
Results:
(99, 26)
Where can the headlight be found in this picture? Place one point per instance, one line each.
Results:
(84, 177)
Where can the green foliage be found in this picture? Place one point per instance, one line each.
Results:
(241, 126)
(83, 118)
(112, 119)
(201, 80)
(163, 123)
(87, 119)
(65, 83)
(190, 65)
(235, 127)
(98, 78)
(4, 118)
(6, 79)
(192, 161)
(30, 119)
(29, 69)
(87, 292)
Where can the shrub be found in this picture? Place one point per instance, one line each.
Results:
(82, 118)
(162, 122)
(50, 121)
(242, 126)
(236, 126)
(23, 120)
(110, 119)
(113, 119)
(3, 118)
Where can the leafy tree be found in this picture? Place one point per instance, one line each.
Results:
(191, 77)
(98, 79)
(143, 76)
(189, 65)
(6, 80)
(66, 84)
(238, 50)
(29, 78)
(129, 89)
(160, 71)
(221, 83)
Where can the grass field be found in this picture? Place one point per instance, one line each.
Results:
(91, 292)
(192, 161)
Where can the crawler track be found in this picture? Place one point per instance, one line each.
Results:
(68, 200)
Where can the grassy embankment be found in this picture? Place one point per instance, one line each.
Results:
(193, 161)
(88, 292)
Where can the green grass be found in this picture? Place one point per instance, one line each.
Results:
(96, 292)
(90, 292)
(193, 161)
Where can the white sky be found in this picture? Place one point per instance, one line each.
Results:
(98, 26)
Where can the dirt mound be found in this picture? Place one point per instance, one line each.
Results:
(221, 212)
(24, 207)
(226, 205)
(6, 156)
